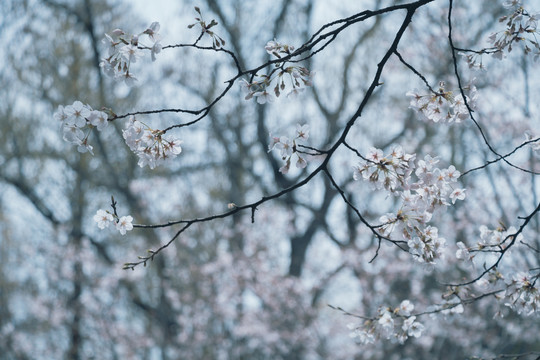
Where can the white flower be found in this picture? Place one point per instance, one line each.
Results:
(301, 163)
(273, 141)
(302, 131)
(73, 134)
(285, 168)
(458, 194)
(375, 155)
(451, 173)
(462, 253)
(60, 115)
(434, 112)
(294, 92)
(111, 44)
(272, 46)
(156, 49)
(84, 147)
(245, 86)
(416, 246)
(405, 308)
(263, 97)
(133, 133)
(286, 146)
(128, 78)
(124, 224)
(357, 172)
(171, 147)
(413, 328)
(152, 32)
(386, 323)
(130, 53)
(98, 119)
(109, 68)
(77, 114)
(103, 218)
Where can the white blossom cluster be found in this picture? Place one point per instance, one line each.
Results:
(75, 119)
(442, 106)
(104, 218)
(297, 77)
(496, 238)
(521, 27)
(288, 148)
(474, 60)
(522, 293)
(124, 49)
(151, 146)
(391, 172)
(433, 189)
(396, 325)
(490, 240)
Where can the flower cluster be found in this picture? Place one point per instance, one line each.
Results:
(432, 190)
(217, 42)
(151, 146)
(443, 106)
(390, 172)
(75, 119)
(462, 253)
(490, 240)
(297, 76)
(474, 60)
(522, 293)
(104, 218)
(288, 148)
(496, 238)
(124, 50)
(521, 27)
(396, 325)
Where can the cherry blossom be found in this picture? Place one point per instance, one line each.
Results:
(98, 119)
(103, 218)
(420, 198)
(405, 308)
(297, 77)
(289, 148)
(125, 49)
(412, 327)
(463, 252)
(77, 114)
(151, 146)
(443, 106)
(124, 224)
(396, 326)
(521, 28)
(75, 119)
